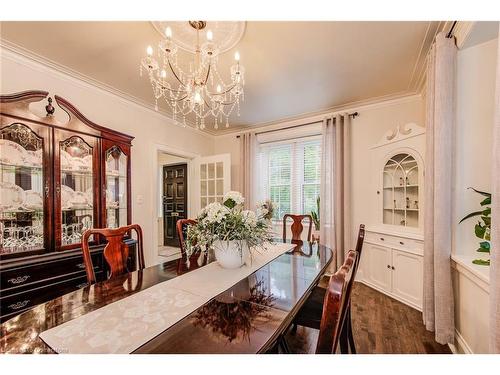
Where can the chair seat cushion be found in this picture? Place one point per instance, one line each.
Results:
(310, 313)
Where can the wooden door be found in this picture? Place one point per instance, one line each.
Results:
(378, 266)
(407, 283)
(174, 201)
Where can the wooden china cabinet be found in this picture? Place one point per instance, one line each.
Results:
(56, 180)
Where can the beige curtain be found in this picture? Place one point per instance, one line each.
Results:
(248, 154)
(438, 313)
(335, 228)
(495, 224)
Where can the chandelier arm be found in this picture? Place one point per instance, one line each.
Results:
(208, 74)
(172, 90)
(175, 74)
(223, 92)
(175, 100)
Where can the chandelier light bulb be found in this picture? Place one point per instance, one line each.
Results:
(237, 56)
(210, 36)
(149, 51)
(168, 32)
(163, 74)
(197, 97)
(219, 89)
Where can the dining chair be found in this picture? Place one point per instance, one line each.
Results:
(115, 252)
(181, 227)
(335, 306)
(297, 226)
(310, 313)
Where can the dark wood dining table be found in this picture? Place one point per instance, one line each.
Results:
(249, 317)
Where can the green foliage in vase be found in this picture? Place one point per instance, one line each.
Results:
(315, 215)
(482, 229)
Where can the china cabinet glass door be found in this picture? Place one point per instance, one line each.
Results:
(401, 191)
(75, 179)
(116, 193)
(24, 188)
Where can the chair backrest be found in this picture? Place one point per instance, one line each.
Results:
(115, 251)
(335, 306)
(297, 226)
(359, 246)
(181, 226)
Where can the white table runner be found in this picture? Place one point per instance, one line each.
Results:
(123, 326)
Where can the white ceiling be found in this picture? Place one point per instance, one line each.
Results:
(292, 68)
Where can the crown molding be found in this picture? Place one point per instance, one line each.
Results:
(360, 106)
(462, 32)
(30, 59)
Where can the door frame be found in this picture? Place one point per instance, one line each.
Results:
(190, 157)
(186, 199)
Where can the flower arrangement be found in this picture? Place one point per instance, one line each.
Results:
(229, 222)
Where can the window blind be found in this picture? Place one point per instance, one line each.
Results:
(289, 175)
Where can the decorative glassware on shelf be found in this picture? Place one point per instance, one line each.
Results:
(76, 189)
(21, 189)
(116, 188)
(401, 187)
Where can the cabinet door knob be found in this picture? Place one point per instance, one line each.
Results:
(382, 239)
(401, 243)
(388, 266)
(393, 267)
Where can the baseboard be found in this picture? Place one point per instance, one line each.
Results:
(460, 346)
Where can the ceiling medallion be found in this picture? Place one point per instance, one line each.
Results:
(199, 89)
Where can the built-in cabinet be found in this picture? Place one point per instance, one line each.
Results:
(392, 258)
(57, 179)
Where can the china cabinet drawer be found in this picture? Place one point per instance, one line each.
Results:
(17, 303)
(25, 276)
(405, 244)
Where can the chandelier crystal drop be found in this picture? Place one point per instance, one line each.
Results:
(199, 90)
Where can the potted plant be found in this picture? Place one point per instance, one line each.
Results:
(483, 227)
(315, 218)
(231, 232)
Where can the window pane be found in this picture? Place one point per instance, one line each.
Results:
(310, 193)
(312, 162)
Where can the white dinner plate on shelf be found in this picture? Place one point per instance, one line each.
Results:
(33, 200)
(11, 196)
(66, 197)
(12, 153)
(34, 158)
(66, 164)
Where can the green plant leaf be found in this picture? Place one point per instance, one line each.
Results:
(481, 250)
(487, 220)
(479, 230)
(485, 201)
(487, 211)
(485, 245)
(472, 214)
(484, 193)
(481, 262)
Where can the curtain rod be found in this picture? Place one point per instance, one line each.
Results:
(449, 35)
(353, 115)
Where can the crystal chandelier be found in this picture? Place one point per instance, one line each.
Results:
(200, 90)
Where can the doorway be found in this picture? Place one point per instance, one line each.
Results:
(174, 201)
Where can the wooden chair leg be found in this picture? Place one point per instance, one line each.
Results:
(294, 329)
(350, 335)
(344, 339)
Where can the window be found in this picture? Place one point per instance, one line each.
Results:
(290, 175)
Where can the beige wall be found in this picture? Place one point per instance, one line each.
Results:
(148, 127)
(229, 144)
(474, 112)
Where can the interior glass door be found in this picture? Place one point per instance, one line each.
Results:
(116, 187)
(75, 188)
(22, 188)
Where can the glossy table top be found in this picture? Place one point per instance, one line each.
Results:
(246, 318)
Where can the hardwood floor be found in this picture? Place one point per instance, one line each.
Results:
(381, 325)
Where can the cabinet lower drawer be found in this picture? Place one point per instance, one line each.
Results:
(17, 303)
(19, 277)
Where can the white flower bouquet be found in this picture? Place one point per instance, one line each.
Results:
(227, 228)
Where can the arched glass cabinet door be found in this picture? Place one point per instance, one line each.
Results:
(116, 185)
(401, 191)
(24, 188)
(75, 183)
